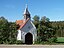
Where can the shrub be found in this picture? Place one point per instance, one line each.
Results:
(18, 42)
(53, 39)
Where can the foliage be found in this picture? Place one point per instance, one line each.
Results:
(52, 39)
(18, 42)
(47, 31)
(8, 31)
(59, 28)
(36, 20)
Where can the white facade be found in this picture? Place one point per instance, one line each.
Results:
(28, 28)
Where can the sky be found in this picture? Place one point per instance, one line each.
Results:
(13, 10)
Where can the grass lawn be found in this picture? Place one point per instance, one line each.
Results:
(60, 39)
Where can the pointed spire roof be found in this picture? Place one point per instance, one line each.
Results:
(26, 12)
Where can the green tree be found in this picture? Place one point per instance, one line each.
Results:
(8, 31)
(44, 29)
(36, 20)
(12, 32)
(3, 30)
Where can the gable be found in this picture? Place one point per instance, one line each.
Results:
(21, 23)
(28, 26)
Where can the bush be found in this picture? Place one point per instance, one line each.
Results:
(37, 42)
(53, 39)
(18, 42)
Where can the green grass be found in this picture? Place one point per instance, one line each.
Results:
(60, 39)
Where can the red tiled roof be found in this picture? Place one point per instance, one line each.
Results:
(21, 23)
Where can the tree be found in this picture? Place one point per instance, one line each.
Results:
(3, 30)
(45, 19)
(45, 30)
(12, 32)
(8, 31)
(36, 20)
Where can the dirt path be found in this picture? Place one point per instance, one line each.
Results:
(31, 46)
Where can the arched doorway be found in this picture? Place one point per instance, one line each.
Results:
(28, 38)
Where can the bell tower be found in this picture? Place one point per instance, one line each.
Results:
(26, 13)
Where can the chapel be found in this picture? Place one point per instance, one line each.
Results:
(27, 32)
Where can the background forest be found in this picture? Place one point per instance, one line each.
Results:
(47, 31)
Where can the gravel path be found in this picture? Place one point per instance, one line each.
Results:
(31, 46)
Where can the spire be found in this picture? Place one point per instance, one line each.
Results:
(26, 13)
